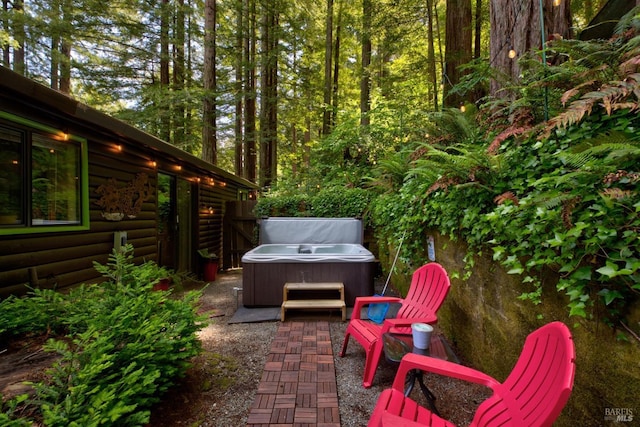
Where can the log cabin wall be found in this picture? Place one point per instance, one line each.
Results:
(212, 207)
(58, 260)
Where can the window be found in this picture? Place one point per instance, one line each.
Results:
(11, 183)
(43, 178)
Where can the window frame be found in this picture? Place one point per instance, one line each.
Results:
(28, 228)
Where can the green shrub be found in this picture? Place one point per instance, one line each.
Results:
(328, 203)
(126, 345)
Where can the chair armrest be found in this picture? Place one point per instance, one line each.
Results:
(364, 301)
(441, 367)
(390, 420)
(400, 323)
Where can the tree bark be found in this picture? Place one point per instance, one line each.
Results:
(365, 79)
(209, 115)
(179, 108)
(55, 59)
(65, 49)
(269, 89)
(477, 40)
(516, 25)
(431, 56)
(336, 67)
(458, 47)
(65, 65)
(250, 92)
(328, 45)
(165, 117)
(20, 36)
(240, 30)
(6, 58)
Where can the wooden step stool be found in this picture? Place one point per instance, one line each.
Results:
(313, 303)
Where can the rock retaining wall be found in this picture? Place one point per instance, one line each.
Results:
(488, 324)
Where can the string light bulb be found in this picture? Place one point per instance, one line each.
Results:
(557, 2)
(512, 53)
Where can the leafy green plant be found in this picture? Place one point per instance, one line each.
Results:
(125, 346)
(9, 413)
(560, 195)
(43, 310)
(330, 202)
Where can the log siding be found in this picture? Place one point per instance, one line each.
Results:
(58, 260)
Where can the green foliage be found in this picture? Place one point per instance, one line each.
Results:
(125, 346)
(41, 312)
(561, 196)
(9, 416)
(331, 202)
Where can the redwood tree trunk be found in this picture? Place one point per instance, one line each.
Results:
(336, 67)
(250, 153)
(269, 96)
(209, 143)
(328, 45)
(19, 31)
(458, 41)
(431, 56)
(516, 25)
(365, 79)
(165, 118)
(179, 107)
(240, 29)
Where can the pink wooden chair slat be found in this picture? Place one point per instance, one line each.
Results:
(533, 394)
(402, 412)
(428, 290)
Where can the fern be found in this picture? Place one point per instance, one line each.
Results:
(607, 152)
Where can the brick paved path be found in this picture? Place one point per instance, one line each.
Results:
(298, 385)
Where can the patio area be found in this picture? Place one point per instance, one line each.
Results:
(291, 374)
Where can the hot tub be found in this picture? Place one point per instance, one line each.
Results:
(307, 256)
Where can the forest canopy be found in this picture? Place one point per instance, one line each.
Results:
(255, 86)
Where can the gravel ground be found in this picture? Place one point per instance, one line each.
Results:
(220, 387)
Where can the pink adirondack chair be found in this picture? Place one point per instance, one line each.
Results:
(533, 394)
(429, 287)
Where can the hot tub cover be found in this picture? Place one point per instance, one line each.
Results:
(310, 230)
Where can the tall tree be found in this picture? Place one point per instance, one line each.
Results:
(20, 37)
(336, 67)
(165, 116)
(477, 39)
(250, 135)
(209, 114)
(328, 46)
(431, 57)
(239, 69)
(269, 94)
(365, 58)
(5, 39)
(179, 74)
(458, 47)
